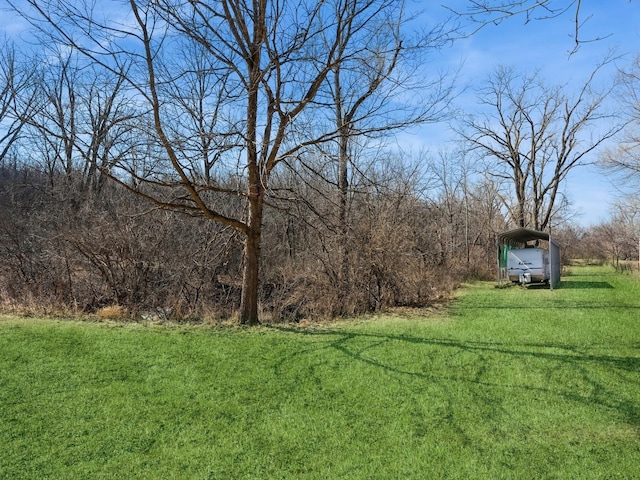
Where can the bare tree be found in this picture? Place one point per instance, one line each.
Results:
(486, 12)
(359, 103)
(80, 122)
(534, 135)
(625, 158)
(615, 240)
(16, 96)
(627, 214)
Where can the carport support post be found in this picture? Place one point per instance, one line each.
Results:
(499, 263)
(551, 264)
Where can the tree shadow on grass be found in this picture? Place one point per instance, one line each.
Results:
(588, 368)
(583, 284)
(572, 284)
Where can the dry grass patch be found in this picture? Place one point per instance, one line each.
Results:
(113, 312)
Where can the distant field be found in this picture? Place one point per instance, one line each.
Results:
(507, 383)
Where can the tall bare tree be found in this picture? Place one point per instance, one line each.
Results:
(625, 158)
(17, 81)
(362, 93)
(79, 125)
(533, 136)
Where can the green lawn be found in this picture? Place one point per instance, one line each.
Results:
(509, 383)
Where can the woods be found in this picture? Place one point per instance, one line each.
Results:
(236, 159)
(87, 250)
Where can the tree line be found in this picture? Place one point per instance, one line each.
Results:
(232, 158)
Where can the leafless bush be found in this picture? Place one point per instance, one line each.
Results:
(61, 246)
(388, 257)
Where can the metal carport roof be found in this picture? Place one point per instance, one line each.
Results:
(520, 236)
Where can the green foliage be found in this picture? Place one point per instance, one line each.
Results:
(510, 383)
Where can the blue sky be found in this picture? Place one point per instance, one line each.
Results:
(539, 44)
(545, 45)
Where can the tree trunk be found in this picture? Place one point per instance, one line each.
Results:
(253, 230)
(343, 192)
(521, 198)
(250, 274)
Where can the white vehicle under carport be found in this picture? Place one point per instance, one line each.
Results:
(528, 265)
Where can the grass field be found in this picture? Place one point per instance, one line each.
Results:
(507, 383)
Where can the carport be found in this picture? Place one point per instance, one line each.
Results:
(522, 238)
